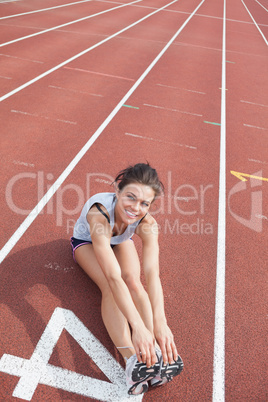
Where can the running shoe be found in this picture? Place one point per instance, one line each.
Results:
(166, 372)
(138, 375)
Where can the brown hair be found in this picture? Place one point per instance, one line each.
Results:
(141, 173)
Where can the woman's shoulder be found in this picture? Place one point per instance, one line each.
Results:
(98, 205)
(148, 219)
(101, 196)
(148, 227)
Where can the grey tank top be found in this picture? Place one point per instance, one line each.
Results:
(108, 200)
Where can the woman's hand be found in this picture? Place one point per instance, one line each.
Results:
(143, 342)
(165, 339)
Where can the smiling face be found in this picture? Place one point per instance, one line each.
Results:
(133, 202)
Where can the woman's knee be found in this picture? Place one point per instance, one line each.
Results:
(134, 284)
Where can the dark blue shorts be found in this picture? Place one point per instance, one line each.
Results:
(75, 243)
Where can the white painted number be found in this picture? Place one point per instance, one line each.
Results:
(36, 370)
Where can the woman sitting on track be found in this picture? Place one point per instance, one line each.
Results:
(103, 247)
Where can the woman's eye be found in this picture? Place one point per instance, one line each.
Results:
(145, 204)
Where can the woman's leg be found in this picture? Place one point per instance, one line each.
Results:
(129, 262)
(114, 321)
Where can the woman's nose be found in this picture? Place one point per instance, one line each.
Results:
(136, 206)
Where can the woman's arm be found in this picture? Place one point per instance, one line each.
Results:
(148, 231)
(142, 338)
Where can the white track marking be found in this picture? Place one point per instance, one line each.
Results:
(157, 140)
(257, 161)
(219, 332)
(23, 163)
(261, 5)
(188, 13)
(172, 110)
(43, 117)
(52, 190)
(66, 24)
(44, 9)
(181, 89)
(265, 40)
(98, 73)
(217, 50)
(81, 54)
(259, 128)
(75, 91)
(21, 58)
(37, 370)
(255, 104)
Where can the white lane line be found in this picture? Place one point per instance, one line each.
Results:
(44, 9)
(181, 89)
(75, 91)
(155, 139)
(188, 13)
(81, 53)
(259, 128)
(5, 78)
(55, 186)
(42, 117)
(265, 40)
(252, 103)
(98, 73)
(261, 5)
(219, 331)
(172, 110)
(66, 24)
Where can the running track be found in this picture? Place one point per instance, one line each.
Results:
(86, 89)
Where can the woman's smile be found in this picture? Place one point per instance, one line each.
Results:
(133, 202)
(131, 214)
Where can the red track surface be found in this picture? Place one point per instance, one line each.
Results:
(174, 123)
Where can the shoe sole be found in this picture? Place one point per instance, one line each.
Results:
(171, 370)
(132, 390)
(141, 372)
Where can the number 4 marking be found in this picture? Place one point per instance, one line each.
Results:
(36, 370)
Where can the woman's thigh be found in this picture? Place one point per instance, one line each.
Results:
(128, 260)
(85, 257)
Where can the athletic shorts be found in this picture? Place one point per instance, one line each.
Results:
(75, 243)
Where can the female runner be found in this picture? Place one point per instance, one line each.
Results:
(102, 246)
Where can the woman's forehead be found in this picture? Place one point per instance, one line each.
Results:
(140, 190)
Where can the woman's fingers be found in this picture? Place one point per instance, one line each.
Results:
(175, 352)
(169, 351)
(144, 348)
(165, 340)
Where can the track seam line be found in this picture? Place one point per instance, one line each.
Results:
(81, 53)
(219, 331)
(66, 24)
(265, 40)
(55, 186)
